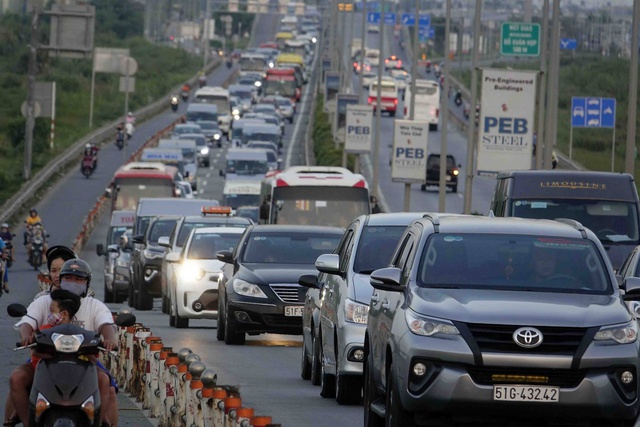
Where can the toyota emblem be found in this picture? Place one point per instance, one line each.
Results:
(527, 337)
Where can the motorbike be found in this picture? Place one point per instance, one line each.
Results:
(185, 95)
(457, 98)
(130, 129)
(120, 139)
(174, 103)
(202, 81)
(87, 167)
(35, 256)
(229, 63)
(9, 260)
(65, 386)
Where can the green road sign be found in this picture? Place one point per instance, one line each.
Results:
(520, 38)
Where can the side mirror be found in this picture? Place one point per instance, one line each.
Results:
(16, 310)
(309, 281)
(631, 287)
(164, 241)
(100, 249)
(225, 256)
(172, 257)
(126, 319)
(139, 238)
(386, 279)
(328, 263)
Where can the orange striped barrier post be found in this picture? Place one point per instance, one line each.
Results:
(260, 421)
(157, 399)
(128, 360)
(193, 416)
(208, 402)
(231, 405)
(168, 391)
(219, 396)
(243, 417)
(139, 362)
(151, 376)
(180, 379)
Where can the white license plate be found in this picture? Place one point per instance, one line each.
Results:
(293, 311)
(526, 393)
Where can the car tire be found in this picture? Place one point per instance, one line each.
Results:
(454, 189)
(423, 187)
(231, 336)
(316, 361)
(433, 127)
(291, 120)
(305, 365)
(396, 415)
(108, 295)
(392, 113)
(327, 381)
(172, 317)
(165, 304)
(132, 296)
(181, 322)
(220, 321)
(371, 419)
(348, 387)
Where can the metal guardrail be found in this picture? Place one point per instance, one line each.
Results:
(105, 133)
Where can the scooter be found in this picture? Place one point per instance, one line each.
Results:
(87, 166)
(130, 129)
(185, 95)
(65, 386)
(35, 256)
(174, 103)
(457, 98)
(120, 139)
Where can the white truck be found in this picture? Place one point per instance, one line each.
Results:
(427, 100)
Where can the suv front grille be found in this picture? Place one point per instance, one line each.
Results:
(555, 377)
(289, 293)
(499, 338)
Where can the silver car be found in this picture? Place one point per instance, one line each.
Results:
(509, 318)
(367, 245)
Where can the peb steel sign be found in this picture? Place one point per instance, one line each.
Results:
(358, 137)
(505, 134)
(409, 158)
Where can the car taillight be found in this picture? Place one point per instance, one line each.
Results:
(371, 100)
(395, 101)
(437, 112)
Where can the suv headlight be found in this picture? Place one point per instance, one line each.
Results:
(122, 263)
(247, 289)
(622, 334)
(153, 255)
(355, 312)
(205, 150)
(429, 326)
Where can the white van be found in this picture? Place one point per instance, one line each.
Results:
(245, 163)
(189, 150)
(373, 56)
(427, 102)
(219, 97)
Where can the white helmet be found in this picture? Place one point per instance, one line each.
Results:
(87, 145)
(130, 113)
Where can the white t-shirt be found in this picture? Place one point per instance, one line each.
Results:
(92, 314)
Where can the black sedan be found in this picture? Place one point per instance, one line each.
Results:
(258, 289)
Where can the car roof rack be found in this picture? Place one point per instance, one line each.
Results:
(435, 220)
(575, 224)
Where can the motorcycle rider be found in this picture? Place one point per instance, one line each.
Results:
(186, 90)
(36, 233)
(4, 268)
(91, 152)
(75, 276)
(120, 134)
(7, 236)
(33, 217)
(202, 79)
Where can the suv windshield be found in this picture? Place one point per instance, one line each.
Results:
(513, 262)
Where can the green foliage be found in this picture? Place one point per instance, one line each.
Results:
(118, 25)
(325, 150)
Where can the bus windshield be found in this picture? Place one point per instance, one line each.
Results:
(237, 200)
(196, 116)
(280, 87)
(222, 102)
(247, 167)
(130, 190)
(252, 64)
(318, 205)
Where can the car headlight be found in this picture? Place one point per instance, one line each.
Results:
(216, 136)
(355, 312)
(189, 271)
(235, 112)
(152, 255)
(67, 343)
(247, 289)
(622, 334)
(122, 263)
(258, 84)
(205, 150)
(236, 117)
(428, 326)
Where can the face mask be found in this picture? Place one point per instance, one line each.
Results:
(76, 288)
(54, 318)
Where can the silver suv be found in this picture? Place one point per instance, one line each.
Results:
(504, 317)
(367, 245)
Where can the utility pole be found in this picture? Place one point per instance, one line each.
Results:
(471, 127)
(629, 163)
(376, 139)
(542, 93)
(362, 45)
(206, 31)
(412, 100)
(552, 88)
(30, 121)
(444, 106)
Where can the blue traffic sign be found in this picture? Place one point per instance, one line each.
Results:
(390, 18)
(568, 44)
(592, 112)
(426, 32)
(410, 19)
(373, 17)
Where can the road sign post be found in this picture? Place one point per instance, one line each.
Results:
(520, 38)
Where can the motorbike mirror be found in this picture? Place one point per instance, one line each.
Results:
(16, 310)
(99, 249)
(126, 319)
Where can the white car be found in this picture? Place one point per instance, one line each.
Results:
(195, 278)
(368, 78)
(373, 28)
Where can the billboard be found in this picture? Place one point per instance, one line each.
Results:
(409, 156)
(343, 100)
(505, 134)
(358, 138)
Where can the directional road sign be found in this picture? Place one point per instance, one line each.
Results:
(520, 38)
(390, 18)
(373, 17)
(592, 112)
(426, 32)
(568, 44)
(410, 19)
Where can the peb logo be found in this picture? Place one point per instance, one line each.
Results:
(505, 131)
(358, 130)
